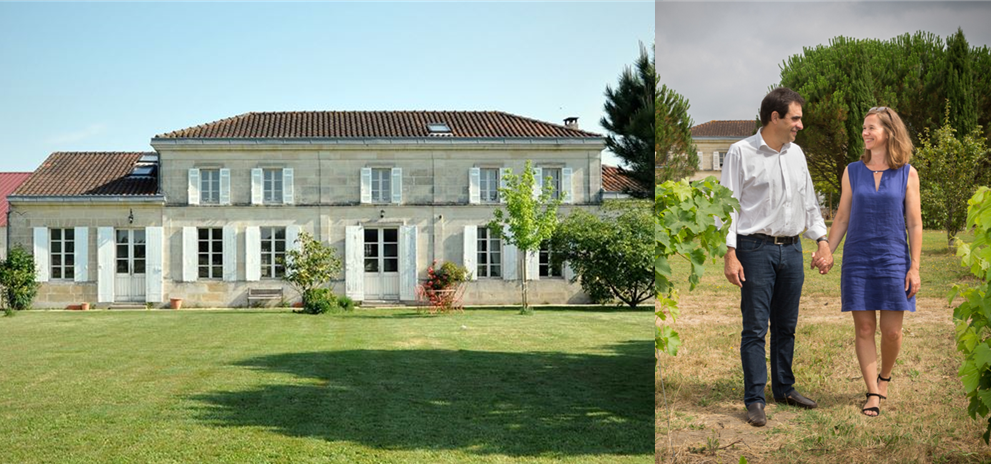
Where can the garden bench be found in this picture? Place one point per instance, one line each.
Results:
(256, 294)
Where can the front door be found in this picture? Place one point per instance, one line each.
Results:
(129, 278)
(382, 264)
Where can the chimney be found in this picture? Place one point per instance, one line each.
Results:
(571, 122)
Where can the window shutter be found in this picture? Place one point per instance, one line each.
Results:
(190, 271)
(252, 253)
(366, 185)
(288, 193)
(257, 186)
(41, 256)
(105, 264)
(194, 187)
(701, 165)
(715, 161)
(532, 265)
(569, 273)
(155, 243)
(292, 237)
(397, 185)
(502, 182)
(230, 253)
(354, 263)
(471, 251)
(567, 190)
(225, 186)
(474, 181)
(81, 257)
(538, 182)
(407, 263)
(510, 257)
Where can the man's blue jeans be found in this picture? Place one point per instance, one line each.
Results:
(772, 291)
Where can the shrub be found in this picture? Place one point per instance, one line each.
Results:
(346, 304)
(318, 301)
(447, 275)
(17, 276)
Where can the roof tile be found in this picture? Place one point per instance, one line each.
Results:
(9, 181)
(370, 124)
(614, 180)
(739, 128)
(88, 173)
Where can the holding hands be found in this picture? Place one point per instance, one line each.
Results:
(823, 258)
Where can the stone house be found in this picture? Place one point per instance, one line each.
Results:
(206, 216)
(9, 181)
(713, 140)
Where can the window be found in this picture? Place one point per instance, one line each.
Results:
(210, 186)
(489, 185)
(489, 253)
(273, 252)
(548, 269)
(381, 250)
(381, 185)
(438, 128)
(63, 255)
(722, 157)
(211, 253)
(555, 180)
(272, 185)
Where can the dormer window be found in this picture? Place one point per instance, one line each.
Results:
(439, 129)
(146, 166)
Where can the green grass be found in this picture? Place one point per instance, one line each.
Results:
(374, 386)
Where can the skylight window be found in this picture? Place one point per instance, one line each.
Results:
(438, 128)
(145, 166)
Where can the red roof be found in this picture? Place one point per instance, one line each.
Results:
(371, 124)
(613, 180)
(740, 129)
(89, 173)
(9, 181)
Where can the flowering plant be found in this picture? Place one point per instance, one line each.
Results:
(445, 276)
(442, 290)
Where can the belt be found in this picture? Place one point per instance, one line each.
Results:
(776, 240)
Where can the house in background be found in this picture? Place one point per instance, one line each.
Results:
(9, 181)
(713, 140)
(207, 216)
(616, 185)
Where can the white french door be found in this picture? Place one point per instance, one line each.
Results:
(129, 266)
(382, 264)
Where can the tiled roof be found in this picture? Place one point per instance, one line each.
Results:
(88, 173)
(376, 124)
(739, 129)
(613, 180)
(9, 181)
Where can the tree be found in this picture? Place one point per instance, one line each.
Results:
(912, 74)
(629, 119)
(674, 150)
(612, 256)
(949, 173)
(530, 217)
(310, 265)
(17, 277)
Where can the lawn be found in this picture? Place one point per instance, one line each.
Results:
(924, 418)
(375, 386)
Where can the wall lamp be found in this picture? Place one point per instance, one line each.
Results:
(382, 214)
(130, 217)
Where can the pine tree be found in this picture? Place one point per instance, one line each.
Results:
(630, 120)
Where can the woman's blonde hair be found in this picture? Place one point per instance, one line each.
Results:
(899, 144)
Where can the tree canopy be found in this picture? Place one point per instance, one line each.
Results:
(629, 112)
(674, 150)
(913, 74)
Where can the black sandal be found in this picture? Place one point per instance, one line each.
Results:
(882, 379)
(875, 409)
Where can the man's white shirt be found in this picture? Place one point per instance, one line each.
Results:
(775, 191)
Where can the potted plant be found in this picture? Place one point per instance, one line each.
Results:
(444, 286)
(176, 303)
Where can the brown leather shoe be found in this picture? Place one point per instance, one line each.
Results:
(796, 399)
(755, 414)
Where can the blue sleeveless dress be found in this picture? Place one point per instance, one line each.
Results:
(876, 256)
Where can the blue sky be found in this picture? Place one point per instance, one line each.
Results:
(110, 76)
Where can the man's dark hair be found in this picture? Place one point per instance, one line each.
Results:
(778, 100)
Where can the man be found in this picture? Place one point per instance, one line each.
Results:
(768, 174)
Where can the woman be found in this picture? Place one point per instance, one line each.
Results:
(879, 274)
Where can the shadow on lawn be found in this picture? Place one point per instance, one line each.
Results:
(518, 404)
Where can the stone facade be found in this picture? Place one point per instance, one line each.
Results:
(326, 201)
